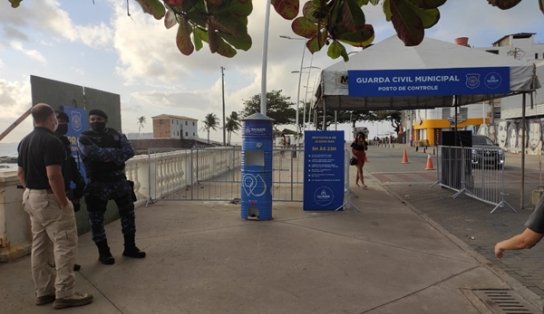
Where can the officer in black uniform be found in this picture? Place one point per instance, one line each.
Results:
(105, 152)
(70, 170)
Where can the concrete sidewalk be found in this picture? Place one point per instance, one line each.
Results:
(380, 255)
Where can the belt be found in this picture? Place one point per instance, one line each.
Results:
(41, 191)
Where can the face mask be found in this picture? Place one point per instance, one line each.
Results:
(98, 126)
(62, 129)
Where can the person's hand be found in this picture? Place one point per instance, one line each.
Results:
(499, 251)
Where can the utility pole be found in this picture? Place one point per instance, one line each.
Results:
(223, 96)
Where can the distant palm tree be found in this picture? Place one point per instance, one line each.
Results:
(210, 122)
(141, 122)
(233, 124)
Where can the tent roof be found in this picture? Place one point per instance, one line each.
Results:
(392, 54)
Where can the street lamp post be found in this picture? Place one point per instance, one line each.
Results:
(223, 96)
(265, 57)
(299, 79)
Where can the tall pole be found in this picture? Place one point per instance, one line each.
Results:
(298, 89)
(265, 57)
(223, 96)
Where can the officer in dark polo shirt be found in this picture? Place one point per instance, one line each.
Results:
(53, 226)
(532, 234)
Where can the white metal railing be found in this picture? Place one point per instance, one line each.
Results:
(475, 171)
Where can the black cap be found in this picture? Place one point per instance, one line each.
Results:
(98, 112)
(61, 115)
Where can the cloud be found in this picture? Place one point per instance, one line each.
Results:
(14, 101)
(39, 19)
(30, 53)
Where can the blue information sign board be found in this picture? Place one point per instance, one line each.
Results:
(323, 170)
(429, 82)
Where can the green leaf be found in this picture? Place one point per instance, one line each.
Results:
(15, 3)
(242, 41)
(228, 24)
(504, 4)
(304, 27)
(406, 22)
(428, 4)
(183, 38)
(335, 50)
(225, 49)
(237, 7)
(387, 10)
(153, 7)
(362, 38)
(315, 44)
(198, 37)
(288, 9)
(170, 19)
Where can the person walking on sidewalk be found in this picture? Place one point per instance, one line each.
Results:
(358, 149)
(105, 152)
(40, 158)
(70, 170)
(529, 237)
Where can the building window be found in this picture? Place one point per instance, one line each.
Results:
(194, 122)
(536, 55)
(186, 134)
(193, 133)
(172, 121)
(185, 122)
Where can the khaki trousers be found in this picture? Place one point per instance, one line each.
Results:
(53, 230)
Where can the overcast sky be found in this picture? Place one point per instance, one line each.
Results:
(95, 44)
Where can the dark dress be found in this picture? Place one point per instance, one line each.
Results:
(359, 150)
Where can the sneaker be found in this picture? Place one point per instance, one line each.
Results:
(78, 299)
(45, 299)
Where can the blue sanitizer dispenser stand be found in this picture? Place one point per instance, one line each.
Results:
(256, 187)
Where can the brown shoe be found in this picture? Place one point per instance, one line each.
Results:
(78, 299)
(45, 299)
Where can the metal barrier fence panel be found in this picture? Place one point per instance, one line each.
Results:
(475, 171)
(214, 174)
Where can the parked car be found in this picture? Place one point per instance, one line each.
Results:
(486, 154)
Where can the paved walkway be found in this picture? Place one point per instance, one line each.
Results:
(383, 254)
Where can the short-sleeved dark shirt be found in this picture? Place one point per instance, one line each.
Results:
(37, 150)
(536, 220)
(357, 146)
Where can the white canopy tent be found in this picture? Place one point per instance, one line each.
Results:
(391, 54)
(431, 56)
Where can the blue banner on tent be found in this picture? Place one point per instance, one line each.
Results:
(429, 82)
(323, 170)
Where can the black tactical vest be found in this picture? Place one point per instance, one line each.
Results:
(104, 171)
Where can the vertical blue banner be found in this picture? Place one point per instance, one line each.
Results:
(323, 170)
(78, 123)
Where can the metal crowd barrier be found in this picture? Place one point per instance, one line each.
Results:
(474, 171)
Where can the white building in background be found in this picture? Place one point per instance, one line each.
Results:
(176, 127)
(501, 119)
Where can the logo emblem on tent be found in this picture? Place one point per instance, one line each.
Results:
(493, 80)
(473, 80)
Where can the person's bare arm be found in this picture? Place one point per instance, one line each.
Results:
(56, 182)
(525, 240)
(21, 176)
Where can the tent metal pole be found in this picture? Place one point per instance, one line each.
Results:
(324, 117)
(522, 196)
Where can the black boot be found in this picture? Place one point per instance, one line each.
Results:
(130, 248)
(104, 253)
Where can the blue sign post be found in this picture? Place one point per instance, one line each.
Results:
(323, 170)
(429, 82)
(256, 187)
